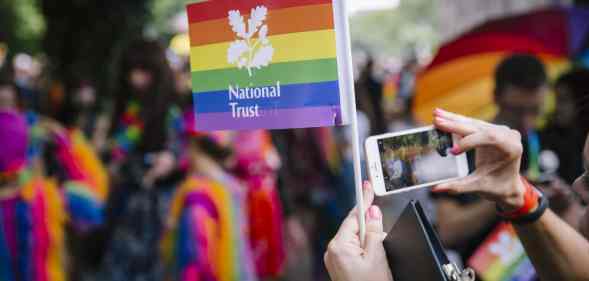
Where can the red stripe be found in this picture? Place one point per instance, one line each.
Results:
(491, 42)
(215, 9)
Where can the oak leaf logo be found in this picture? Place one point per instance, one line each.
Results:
(248, 51)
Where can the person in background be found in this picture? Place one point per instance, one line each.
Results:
(256, 163)
(26, 73)
(8, 92)
(142, 164)
(567, 128)
(407, 77)
(369, 97)
(399, 115)
(309, 197)
(81, 110)
(562, 139)
(206, 235)
(36, 207)
(520, 88)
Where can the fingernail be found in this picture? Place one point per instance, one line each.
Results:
(440, 189)
(374, 213)
(455, 150)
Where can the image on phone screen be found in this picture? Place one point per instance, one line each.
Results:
(416, 159)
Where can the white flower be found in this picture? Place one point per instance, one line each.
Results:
(262, 57)
(236, 50)
(257, 17)
(237, 24)
(250, 52)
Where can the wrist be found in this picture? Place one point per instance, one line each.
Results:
(533, 207)
(515, 199)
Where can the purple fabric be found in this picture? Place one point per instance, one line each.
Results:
(203, 201)
(306, 117)
(8, 210)
(579, 29)
(13, 140)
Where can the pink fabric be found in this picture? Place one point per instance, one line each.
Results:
(68, 160)
(13, 141)
(41, 233)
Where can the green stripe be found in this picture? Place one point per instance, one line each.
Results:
(311, 71)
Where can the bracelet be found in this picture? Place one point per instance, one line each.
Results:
(536, 214)
(530, 203)
(535, 204)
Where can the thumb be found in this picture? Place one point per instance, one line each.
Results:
(374, 231)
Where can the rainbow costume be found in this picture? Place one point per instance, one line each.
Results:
(207, 230)
(205, 240)
(257, 165)
(33, 217)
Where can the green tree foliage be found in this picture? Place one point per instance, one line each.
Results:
(391, 32)
(83, 37)
(21, 25)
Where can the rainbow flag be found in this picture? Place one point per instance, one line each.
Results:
(502, 257)
(268, 64)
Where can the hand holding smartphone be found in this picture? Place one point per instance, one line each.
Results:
(411, 159)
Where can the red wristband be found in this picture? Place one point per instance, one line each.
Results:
(530, 202)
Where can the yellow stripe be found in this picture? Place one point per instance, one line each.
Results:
(287, 47)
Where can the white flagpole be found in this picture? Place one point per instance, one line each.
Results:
(345, 33)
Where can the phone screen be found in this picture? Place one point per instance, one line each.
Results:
(417, 159)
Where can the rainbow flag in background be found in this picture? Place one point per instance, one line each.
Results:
(267, 64)
(502, 257)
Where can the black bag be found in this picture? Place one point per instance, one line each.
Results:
(415, 253)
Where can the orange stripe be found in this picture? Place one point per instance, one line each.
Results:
(297, 19)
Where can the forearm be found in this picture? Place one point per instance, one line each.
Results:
(557, 251)
(458, 223)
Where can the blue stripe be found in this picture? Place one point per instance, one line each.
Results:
(84, 211)
(291, 96)
(25, 247)
(187, 242)
(5, 260)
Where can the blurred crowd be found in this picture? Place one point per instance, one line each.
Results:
(124, 188)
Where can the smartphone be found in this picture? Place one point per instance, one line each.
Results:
(411, 159)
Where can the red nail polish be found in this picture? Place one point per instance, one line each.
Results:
(374, 212)
(455, 150)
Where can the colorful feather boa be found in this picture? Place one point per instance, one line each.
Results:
(128, 133)
(199, 243)
(86, 187)
(206, 238)
(32, 221)
(37, 233)
(257, 163)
